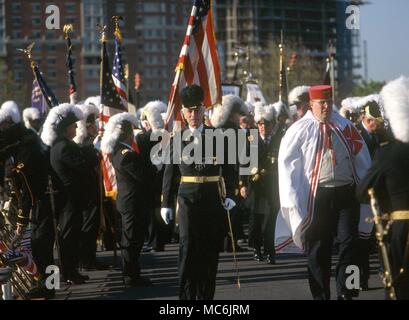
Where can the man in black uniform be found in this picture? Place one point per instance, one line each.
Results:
(262, 187)
(29, 175)
(87, 131)
(370, 127)
(133, 186)
(202, 217)
(389, 176)
(159, 233)
(227, 117)
(72, 171)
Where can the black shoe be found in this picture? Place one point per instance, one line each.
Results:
(344, 297)
(364, 286)
(147, 249)
(258, 256)
(270, 259)
(76, 278)
(41, 293)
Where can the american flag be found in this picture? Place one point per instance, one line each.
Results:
(197, 63)
(72, 91)
(118, 74)
(110, 105)
(45, 89)
(37, 99)
(110, 99)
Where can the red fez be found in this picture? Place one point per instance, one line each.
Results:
(323, 92)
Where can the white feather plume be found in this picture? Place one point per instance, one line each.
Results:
(267, 112)
(113, 130)
(152, 111)
(222, 112)
(296, 93)
(96, 101)
(395, 101)
(10, 109)
(55, 116)
(87, 110)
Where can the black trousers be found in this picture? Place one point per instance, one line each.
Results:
(364, 247)
(42, 236)
(262, 231)
(201, 230)
(336, 213)
(70, 224)
(398, 237)
(134, 224)
(89, 232)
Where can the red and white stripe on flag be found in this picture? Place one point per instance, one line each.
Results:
(198, 62)
(108, 171)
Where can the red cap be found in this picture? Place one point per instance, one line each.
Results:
(323, 92)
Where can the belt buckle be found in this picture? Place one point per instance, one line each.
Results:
(199, 179)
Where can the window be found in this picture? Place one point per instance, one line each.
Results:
(15, 34)
(70, 7)
(36, 21)
(36, 7)
(50, 34)
(16, 7)
(70, 20)
(51, 48)
(92, 87)
(51, 74)
(18, 61)
(35, 34)
(51, 61)
(120, 7)
(16, 21)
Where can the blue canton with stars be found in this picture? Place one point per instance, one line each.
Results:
(203, 7)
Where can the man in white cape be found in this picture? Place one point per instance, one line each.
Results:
(321, 159)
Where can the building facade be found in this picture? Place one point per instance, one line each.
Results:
(311, 24)
(153, 33)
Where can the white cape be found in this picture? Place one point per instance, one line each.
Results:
(299, 164)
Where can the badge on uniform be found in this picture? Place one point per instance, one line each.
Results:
(125, 151)
(273, 160)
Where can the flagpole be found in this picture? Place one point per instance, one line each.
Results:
(181, 64)
(72, 90)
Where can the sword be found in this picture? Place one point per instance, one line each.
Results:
(52, 192)
(222, 193)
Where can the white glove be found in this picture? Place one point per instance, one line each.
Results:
(229, 204)
(166, 214)
(97, 142)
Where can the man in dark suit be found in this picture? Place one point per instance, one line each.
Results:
(261, 187)
(201, 209)
(29, 174)
(370, 128)
(72, 172)
(389, 176)
(133, 186)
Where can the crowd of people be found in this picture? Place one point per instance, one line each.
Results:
(309, 187)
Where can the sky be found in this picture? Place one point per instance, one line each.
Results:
(385, 26)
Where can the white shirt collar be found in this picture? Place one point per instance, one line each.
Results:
(200, 129)
(363, 124)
